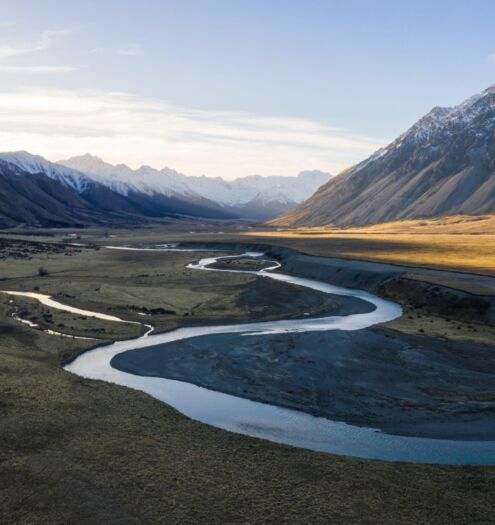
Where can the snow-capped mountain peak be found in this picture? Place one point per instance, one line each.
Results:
(442, 165)
(249, 197)
(447, 119)
(37, 164)
(237, 194)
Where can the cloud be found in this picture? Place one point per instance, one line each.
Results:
(131, 50)
(491, 58)
(45, 41)
(37, 69)
(121, 127)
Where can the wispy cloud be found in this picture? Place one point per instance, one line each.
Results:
(45, 41)
(37, 69)
(131, 50)
(491, 58)
(125, 128)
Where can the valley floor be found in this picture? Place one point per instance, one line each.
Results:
(79, 451)
(474, 253)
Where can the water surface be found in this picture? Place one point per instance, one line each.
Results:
(274, 423)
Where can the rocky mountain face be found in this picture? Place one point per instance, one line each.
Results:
(38, 200)
(36, 192)
(253, 197)
(85, 190)
(444, 164)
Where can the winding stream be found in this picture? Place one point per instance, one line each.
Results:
(274, 423)
(266, 421)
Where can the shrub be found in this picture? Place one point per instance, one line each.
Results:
(42, 272)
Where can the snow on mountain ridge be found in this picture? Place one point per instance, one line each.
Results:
(445, 120)
(253, 197)
(440, 118)
(238, 192)
(37, 164)
(442, 165)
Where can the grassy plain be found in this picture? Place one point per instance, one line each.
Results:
(449, 225)
(80, 451)
(459, 252)
(457, 243)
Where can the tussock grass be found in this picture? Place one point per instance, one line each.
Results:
(80, 451)
(448, 251)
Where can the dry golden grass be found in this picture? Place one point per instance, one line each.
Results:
(452, 224)
(473, 253)
(463, 243)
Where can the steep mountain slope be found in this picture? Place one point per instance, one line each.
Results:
(443, 165)
(38, 200)
(250, 197)
(35, 191)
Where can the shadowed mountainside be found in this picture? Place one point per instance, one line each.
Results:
(42, 193)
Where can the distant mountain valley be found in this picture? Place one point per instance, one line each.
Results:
(85, 190)
(443, 165)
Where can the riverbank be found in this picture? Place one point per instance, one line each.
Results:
(379, 378)
(426, 271)
(79, 451)
(375, 378)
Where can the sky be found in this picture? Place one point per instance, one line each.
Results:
(233, 88)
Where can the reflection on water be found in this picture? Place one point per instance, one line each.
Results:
(274, 423)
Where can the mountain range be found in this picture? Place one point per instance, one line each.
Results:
(254, 197)
(86, 191)
(443, 165)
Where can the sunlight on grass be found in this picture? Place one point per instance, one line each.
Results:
(455, 243)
